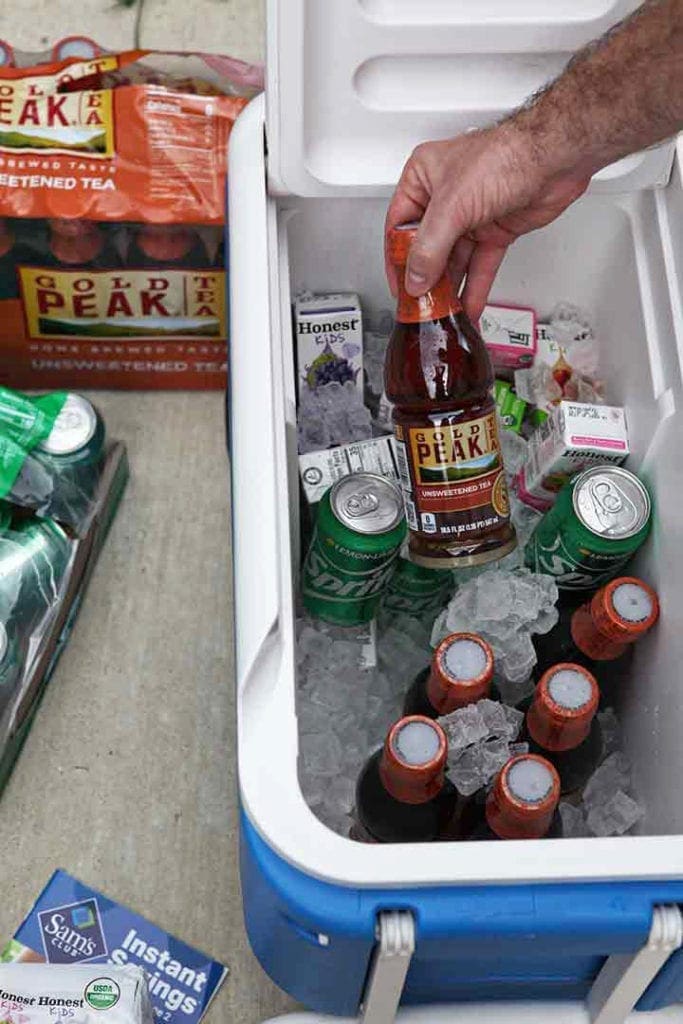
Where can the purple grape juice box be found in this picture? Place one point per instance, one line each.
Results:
(329, 340)
(70, 923)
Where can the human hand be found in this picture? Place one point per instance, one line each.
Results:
(474, 195)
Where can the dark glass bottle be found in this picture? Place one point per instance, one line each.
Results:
(560, 723)
(438, 376)
(460, 673)
(600, 633)
(522, 803)
(402, 794)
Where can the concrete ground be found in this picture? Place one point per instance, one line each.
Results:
(128, 778)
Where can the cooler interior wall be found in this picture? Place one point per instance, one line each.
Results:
(605, 255)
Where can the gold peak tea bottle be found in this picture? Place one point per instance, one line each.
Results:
(438, 375)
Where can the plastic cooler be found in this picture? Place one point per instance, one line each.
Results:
(582, 927)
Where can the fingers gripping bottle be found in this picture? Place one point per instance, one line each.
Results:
(438, 375)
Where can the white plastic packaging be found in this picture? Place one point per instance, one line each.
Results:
(79, 993)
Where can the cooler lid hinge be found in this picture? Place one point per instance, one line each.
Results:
(391, 958)
(624, 977)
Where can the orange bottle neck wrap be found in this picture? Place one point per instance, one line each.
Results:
(511, 822)
(512, 817)
(440, 301)
(589, 637)
(413, 783)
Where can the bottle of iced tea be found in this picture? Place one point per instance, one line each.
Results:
(438, 375)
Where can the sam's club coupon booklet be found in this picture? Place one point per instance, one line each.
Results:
(70, 923)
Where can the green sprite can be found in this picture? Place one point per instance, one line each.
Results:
(73, 453)
(11, 664)
(358, 534)
(599, 520)
(34, 555)
(416, 590)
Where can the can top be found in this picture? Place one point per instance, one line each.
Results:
(414, 759)
(611, 502)
(73, 428)
(400, 240)
(366, 503)
(524, 798)
(625, 609)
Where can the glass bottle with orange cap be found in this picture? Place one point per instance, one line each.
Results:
(460, 673)
(522, 803)
(600, 634)
(82, 244)
(561, 723)
(402, 794)
(166, 247)
(438, 376)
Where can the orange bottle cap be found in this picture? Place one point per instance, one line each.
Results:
(524, 798)
(625, 609)
(461, 672)
(564, 705)
(414, 760)
(399, 242)
(166, 242)
(75, 241)
(6, 236)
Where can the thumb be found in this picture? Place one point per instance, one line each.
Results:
(439, 230)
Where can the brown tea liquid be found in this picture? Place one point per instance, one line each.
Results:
(438, 375)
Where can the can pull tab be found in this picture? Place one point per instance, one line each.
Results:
(363, 504)
(610, 502)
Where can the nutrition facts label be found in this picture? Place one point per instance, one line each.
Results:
(187, 143)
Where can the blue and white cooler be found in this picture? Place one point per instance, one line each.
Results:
(554, 931)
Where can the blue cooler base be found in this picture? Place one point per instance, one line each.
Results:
(544, 942)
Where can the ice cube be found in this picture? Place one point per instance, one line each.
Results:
(547, 619)
(615, 816)
(574, 824)
(611, 776)
(475, 766)
(519, 658)
(464, 727)
(374, 351)
(341, 792)
(500, 720)
(515, 450)
(495, 753)
(514, 693)
(322, 754)
(569, 323)
(332, 414)
(611, 731)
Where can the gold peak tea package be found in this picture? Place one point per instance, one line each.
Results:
(112, 211)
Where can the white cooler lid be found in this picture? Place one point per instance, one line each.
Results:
(354, 85)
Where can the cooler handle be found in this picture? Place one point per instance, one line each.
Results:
(622, 981)
(624, 977)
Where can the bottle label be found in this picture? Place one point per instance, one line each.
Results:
(452, 476)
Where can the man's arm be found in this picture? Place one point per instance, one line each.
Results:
(477, 193)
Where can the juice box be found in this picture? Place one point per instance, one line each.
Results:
(329, 340)
(576, 435)
(319, 470)
(509, 333)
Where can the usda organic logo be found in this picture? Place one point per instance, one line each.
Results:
(102, 994)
